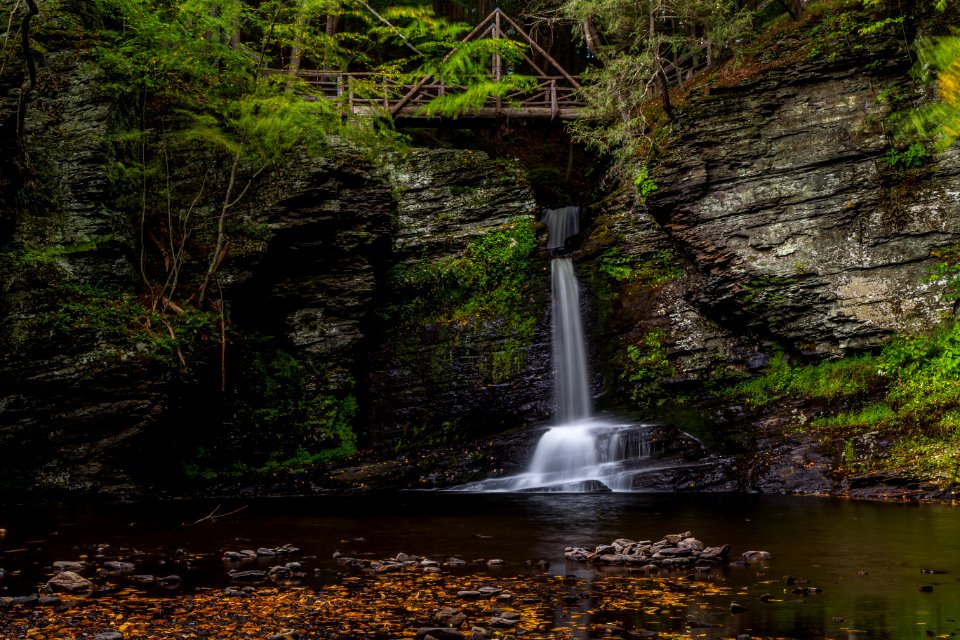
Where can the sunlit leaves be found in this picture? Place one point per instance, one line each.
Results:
(941, 119)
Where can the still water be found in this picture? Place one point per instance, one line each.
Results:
(867, 558)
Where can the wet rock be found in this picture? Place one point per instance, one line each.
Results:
(263, 552)
(116, 566)
(109, 635)
(69, 565)
(927, 588)
(767, 597)
(480, 633)
(30, 600)
(279, 572)
(440, 633)
(503, 622)
(70, 582)
(756, 556)
(489, 592)
(494, 562)
(247, 576)
(289, 634)
(469, 595)
(737, 608)
(143, 579)
(449, 617)
(456, 562)
(50, 601)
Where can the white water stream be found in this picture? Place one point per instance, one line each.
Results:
(581, 452)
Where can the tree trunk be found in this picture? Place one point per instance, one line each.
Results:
(663, 87)
(590, 37)
(296, 47)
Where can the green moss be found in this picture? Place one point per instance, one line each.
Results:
(654, 269)
(488, 285)
(489, 276)
(765, 292)
(645, 368)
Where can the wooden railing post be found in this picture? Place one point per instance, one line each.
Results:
(350, 94)
(496, 57)
(553, 99)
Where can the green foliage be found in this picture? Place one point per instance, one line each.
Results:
(120, 321)
(647, 366)
(868, 418)
(487, 285)
(626, 123)
(907, 395)
(948, 270)
(489, 276)
(910, 158)
(644, 183)
(834, 380)
(281, 423)
(938, 121)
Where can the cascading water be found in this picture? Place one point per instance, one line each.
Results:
(582, 452)
(571, 377)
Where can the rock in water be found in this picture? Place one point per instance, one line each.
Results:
(70, 582)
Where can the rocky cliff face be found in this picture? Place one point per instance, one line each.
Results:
(796, 231)
(312, 363)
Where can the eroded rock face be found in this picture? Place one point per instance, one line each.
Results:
(72, 404)
(798, 228)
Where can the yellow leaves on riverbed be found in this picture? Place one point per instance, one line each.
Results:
(384, 608)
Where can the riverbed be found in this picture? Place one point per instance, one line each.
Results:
(838, 568)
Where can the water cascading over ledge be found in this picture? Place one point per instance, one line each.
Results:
(581, 452)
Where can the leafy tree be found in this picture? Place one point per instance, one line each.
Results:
(640, 48)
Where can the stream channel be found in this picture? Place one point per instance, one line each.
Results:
(867, 558)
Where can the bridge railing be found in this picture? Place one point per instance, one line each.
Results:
(370, 92)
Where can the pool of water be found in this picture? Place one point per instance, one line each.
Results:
(869, 559)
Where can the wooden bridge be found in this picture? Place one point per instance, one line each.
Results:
(554, 95)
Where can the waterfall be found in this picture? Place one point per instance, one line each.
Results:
(571, 377)
(580, 452)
